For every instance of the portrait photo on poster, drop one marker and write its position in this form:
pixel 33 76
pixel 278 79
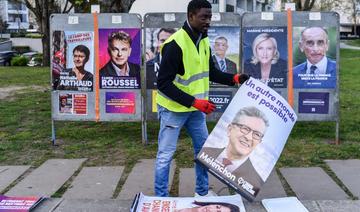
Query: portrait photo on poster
pixel 265 54
pixel 231 203
pixel 155 37
pixel 225 49
pixel 120 58
pixel 248 139
pixel 314 57
pixel 73 60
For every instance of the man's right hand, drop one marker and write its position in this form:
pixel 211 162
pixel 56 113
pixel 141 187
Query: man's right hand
pixel 204 105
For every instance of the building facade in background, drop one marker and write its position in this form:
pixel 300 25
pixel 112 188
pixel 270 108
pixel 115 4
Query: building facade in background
pixel 16 14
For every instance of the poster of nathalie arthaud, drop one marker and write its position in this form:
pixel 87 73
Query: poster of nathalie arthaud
pixel 248 139
pixel 73 60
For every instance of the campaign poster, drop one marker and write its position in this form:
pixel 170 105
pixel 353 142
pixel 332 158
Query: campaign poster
pixel 155 37
pixel 314 102
pixel 225 49
pixel 120 102
pixel 248 139
pixel 232 203
pixel 314 53
pixel 19 204
pixel 265 54
pixel 73 60
pixel 120 58
pixel 221 99
pixel 73 104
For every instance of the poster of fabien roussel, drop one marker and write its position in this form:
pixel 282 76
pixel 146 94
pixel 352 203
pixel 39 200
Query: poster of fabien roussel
pixel 119 58
pixel 144 203
pixel 248 139
pixel 73 60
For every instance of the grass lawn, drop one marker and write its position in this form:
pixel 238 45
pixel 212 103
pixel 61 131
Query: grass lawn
pixel 355 42
pixel 25 128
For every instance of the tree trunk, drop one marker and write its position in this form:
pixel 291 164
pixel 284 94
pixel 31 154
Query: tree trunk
pixel 46 30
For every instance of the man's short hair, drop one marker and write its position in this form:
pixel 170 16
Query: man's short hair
pixel 302 32
pixel 221 38
pixel 250 111
pixel 168 30
pixel 83 49
pixel 232 207
pixel 119 35
pixel 195 5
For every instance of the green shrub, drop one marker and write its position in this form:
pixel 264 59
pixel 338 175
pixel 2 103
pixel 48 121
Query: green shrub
pixel 21 49
pixel 19 61
pixel 19 34
pixel 33 35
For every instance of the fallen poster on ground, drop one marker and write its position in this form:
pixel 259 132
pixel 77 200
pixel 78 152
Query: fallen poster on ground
pixel 248 139
pixel 144 203
pixel 18 204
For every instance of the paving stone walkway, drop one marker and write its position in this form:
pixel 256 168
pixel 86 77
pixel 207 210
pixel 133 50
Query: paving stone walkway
pixel 93 188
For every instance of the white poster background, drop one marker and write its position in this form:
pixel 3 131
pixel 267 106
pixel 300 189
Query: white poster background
pixel 176 204
pixel 74 39
pixel 265 154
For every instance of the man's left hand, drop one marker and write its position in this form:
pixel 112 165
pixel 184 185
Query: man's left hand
pixel 240 78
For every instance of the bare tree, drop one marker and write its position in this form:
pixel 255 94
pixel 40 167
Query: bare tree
pixel 304 5
pixel 351 7
pixel 42 10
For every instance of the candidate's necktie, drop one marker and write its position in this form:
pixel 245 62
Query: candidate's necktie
pixel 312 69
pixel 222 65
pixel 226 162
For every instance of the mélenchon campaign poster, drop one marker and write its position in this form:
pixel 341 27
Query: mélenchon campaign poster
pixel 120 58
pixel 232 203
pixel 248 139
pixel 73 60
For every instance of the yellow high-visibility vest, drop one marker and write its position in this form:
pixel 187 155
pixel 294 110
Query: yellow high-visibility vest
pixel 195 80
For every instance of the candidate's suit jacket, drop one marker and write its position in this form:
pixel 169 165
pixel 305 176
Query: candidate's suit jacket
pixel 278 73
pixel 314 83
pixel 151 72
pixel 230 65
pixel 108 70
pixel 245 170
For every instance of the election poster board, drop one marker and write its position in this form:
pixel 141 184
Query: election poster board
pixel 184 204
pixel 265 54
pixel 245 144
pixel 314 47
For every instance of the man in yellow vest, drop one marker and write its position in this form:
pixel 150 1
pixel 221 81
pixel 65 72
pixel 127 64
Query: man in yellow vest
pixel 183 87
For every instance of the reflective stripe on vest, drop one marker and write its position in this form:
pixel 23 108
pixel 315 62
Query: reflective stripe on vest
pixel 195 80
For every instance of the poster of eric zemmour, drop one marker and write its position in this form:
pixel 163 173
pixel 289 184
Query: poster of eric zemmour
pixel 247 141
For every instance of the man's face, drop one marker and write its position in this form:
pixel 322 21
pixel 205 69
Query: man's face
pixel 200 21
pixel 265 51
pixel 220 47
pixel 79 59
pixel 314 44
pixel 245 135
pixel 162 38
pixel 120 51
